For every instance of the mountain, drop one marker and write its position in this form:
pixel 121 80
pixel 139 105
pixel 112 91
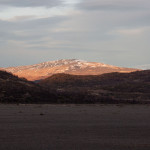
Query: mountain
pixel 114 87
pixel 144 67
pixel 68 66
pixel 107 81
pixel 17 90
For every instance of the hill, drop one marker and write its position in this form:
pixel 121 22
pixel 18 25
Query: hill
pixel 68 66
pixel 64 88
pixel 19 90
pixel 131 87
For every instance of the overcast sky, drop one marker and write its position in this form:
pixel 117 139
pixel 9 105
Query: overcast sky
pixel 115 32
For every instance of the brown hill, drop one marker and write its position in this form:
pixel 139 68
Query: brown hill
pixel 108 79
pixel 14 89
pixel 131 87
pixel 63 88
pixel 70 66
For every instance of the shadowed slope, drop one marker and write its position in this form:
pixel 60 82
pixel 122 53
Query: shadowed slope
pixel 141 78
pixel 112 87
pixel 63 88
pixel 14 89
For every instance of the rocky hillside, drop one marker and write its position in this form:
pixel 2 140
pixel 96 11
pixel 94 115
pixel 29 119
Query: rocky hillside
pixel 121 87
pixel 65 88
pixel 112 80
pixel 17 90
pixel 70 66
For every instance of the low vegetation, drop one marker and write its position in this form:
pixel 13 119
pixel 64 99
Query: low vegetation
pixel 107 88
pixel 17 90
pixel 64 88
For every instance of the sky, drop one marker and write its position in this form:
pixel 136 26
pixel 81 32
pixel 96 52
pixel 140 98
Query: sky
pixel 115 32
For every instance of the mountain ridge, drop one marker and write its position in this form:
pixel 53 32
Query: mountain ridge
pixel 18 90
pixel 133 87
pixel 69 66
pixel 114 87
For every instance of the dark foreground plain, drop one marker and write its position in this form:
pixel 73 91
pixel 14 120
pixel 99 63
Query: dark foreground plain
pixel 74 127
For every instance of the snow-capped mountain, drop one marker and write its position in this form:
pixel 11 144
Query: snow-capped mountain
pixel 144 67
pixel 68 66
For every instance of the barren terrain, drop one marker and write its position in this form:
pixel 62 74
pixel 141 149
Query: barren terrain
pixel 74 127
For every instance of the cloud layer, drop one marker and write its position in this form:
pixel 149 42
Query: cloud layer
pixel 110 31
pixel 31 3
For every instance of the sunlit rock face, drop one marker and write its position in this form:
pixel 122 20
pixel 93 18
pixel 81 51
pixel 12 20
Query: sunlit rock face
pixel 68 66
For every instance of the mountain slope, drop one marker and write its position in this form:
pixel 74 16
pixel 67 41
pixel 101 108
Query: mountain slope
pixel 14 89
pixel 64 88
pixel 70 66
pixel 115 87
pixel 106 81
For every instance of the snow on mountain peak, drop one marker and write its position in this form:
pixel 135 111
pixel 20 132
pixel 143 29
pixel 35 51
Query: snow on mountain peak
pixel 69 66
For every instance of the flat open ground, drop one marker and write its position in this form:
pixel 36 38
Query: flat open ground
pixel 74 127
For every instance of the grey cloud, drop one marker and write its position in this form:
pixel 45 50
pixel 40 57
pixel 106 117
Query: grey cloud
pixel 31 3
pixel 31 25
pixel 33 32
pixel 92 36
pixel 109 5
